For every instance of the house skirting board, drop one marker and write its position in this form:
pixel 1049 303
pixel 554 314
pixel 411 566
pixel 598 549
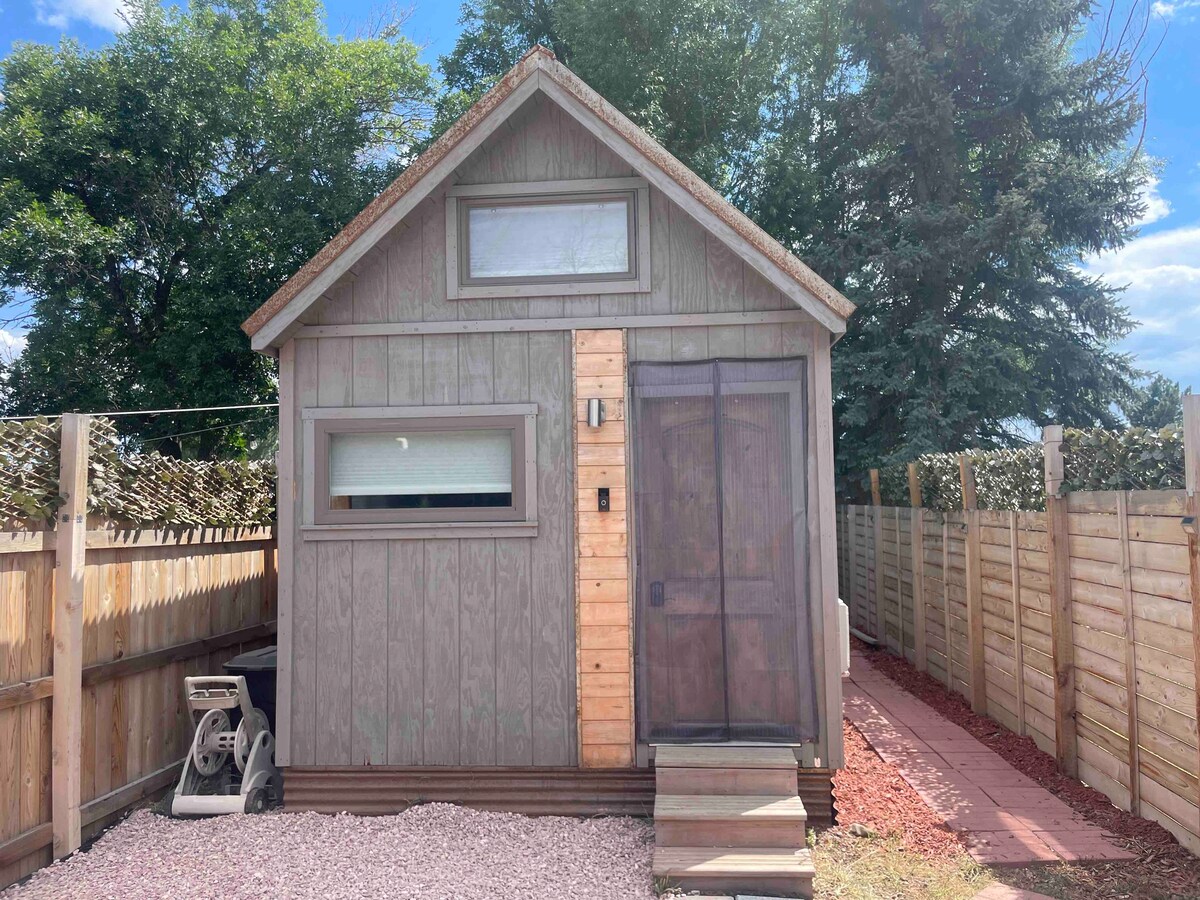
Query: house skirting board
pixel 561 791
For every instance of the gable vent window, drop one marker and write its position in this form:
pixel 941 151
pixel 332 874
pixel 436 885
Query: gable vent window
pixel 541 239
pixel 545 239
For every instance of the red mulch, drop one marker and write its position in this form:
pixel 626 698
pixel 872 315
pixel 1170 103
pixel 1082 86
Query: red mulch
pixel 871 792
pixel 1171 864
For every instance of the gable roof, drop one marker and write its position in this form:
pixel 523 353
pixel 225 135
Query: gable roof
pixel 538 70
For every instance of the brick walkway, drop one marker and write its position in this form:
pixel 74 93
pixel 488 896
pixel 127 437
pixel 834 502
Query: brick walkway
pixel 1009 819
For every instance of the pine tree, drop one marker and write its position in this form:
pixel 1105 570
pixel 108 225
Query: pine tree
pixel 976 162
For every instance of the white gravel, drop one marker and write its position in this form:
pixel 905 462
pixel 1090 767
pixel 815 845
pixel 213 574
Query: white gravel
pixel 427 853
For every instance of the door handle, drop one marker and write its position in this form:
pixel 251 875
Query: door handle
pixel 657 594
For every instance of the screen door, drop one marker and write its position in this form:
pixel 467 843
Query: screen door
pixel 723 641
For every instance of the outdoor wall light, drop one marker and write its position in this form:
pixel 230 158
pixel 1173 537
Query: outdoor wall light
pixel 596 413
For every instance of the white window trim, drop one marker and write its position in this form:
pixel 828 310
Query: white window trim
pixel 640 284
pixel 417 530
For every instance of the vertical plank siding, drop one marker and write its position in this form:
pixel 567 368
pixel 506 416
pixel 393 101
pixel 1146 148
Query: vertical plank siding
pixel 472 643
pixel 136 600
pixel 438 651
pixel 1132 643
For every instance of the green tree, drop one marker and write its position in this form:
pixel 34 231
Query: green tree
pixel 695 74
pixel 1155 404
pixel 980 158
pixel 945 163
pixel 154 192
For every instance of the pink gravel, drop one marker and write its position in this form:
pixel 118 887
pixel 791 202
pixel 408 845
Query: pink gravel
pixel 427 853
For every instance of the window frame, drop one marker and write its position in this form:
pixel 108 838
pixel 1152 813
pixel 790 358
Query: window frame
pixel 321 423
pixel 461 198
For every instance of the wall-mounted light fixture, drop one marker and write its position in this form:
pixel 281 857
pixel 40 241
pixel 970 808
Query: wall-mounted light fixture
pixel 596 413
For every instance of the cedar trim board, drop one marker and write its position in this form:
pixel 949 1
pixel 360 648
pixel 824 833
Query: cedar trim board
pixel 538 70
pixel 560 790
pixel 581 323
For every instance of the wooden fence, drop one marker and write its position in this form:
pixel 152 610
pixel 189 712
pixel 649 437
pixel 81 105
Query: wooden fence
pixel 92 715
pixel 1073 626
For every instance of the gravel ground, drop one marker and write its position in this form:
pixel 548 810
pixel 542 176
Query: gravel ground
pixel 427 853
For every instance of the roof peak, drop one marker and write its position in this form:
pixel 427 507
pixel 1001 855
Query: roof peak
pixel 538 50
pixel 565 87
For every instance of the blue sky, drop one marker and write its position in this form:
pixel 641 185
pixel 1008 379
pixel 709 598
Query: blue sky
pixel 1161 266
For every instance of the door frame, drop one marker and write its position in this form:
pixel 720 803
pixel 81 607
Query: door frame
pixel 800 394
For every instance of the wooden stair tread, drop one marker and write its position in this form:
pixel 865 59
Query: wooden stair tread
pixel 732 862
pixel 717 808
pixel 683 756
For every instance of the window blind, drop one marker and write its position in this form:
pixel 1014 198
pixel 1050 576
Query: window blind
pixel 471 461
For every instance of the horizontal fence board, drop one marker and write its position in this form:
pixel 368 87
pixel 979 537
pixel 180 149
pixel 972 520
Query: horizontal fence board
pixel 159 604
pixel 1130 606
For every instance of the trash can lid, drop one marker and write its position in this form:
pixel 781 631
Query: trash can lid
pixel 261 660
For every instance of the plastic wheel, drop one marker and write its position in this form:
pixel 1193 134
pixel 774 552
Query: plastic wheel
pixel 207 759
pixel 248 731
pixel 256 801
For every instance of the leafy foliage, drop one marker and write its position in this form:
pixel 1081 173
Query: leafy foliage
pixel 28 470
pixel 1134 460
pixel 945 163
pixel 1004 479
pixel 137 488
pixel 1094 459
pixel 155 191
pixel 695 74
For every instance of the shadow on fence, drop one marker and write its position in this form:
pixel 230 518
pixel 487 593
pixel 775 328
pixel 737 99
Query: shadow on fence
pixel 145 606
pixel 1073 626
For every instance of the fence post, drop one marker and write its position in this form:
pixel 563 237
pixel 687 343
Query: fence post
pixel 1062 638
pixel 1014 540
pixel 917 532
pixel 966 476
pixel 1131 705
pixel 876 559
pixel 67 705
pixel 1191 476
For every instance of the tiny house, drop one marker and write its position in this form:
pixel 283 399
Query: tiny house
pixel 555 476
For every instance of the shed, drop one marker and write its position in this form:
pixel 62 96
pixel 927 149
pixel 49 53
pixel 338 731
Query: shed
pixel 555 476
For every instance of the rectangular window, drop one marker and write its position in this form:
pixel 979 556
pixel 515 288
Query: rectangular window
pixel 548 238
pixel 519 240
pixel 440 468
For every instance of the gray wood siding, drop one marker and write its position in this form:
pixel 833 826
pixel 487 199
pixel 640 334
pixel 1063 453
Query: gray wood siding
pixel 403 278
pixel 439 651
pixel 462 651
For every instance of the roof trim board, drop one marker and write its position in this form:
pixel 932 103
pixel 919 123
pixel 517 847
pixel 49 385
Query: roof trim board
pixel 538 70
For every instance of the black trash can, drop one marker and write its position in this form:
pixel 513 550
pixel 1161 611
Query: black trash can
pixel 258 666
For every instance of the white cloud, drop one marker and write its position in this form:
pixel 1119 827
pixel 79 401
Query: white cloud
pixel 101 13
pixel 1169 9
pixel 1157 206
pixel 11 345
pixel 1162 275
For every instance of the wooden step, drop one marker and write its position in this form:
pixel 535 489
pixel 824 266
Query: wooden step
pixel 689 756
pixel 749 870
pixel 729 821
pixel 740 782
